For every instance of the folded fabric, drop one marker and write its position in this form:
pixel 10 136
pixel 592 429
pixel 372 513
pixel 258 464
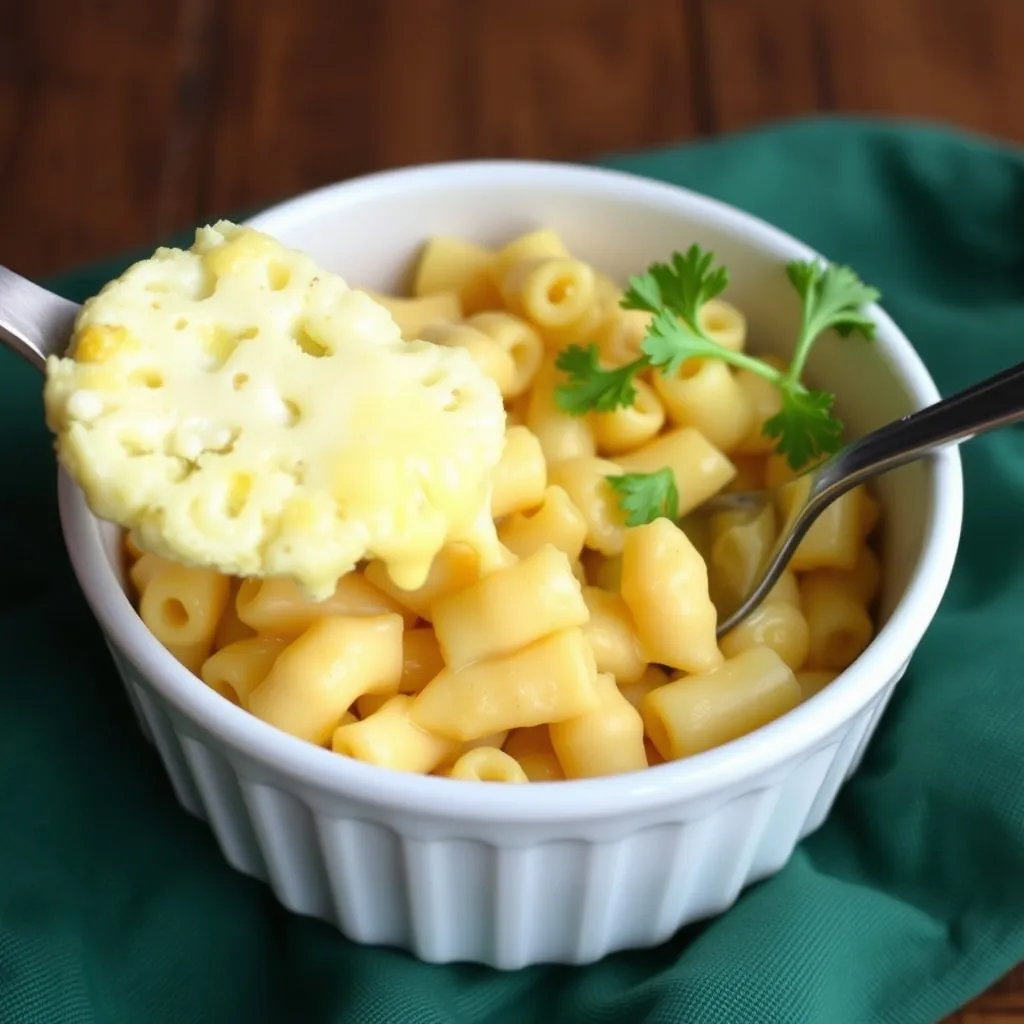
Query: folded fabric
pixel 115 905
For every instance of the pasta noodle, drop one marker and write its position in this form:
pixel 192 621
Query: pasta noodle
pixel 619 338
pixel 724 323
pixel 765 401
pixel 532 749
pixel 695 713
pixel 870 512
pixel 421 659
pixel 786 589
pixel 862 581
pixel 453 265
pixel 653 677
pixel 813 681
pixel 549 681
pixel 238 668
pixel 705 394
pixel 521 476
pixel 585 481
pixel 487 764
pixel 607 740
pixel 612 636
pixel 534 245
pixel 391 739
pixel 319 675
pixel 556 521
pixel 552 293
pixel 628 428
pixel 474 624
pixel 277 606
pixel 519 340
pixel 181 608
pixel 145 569
pixel 839 624
pixel 231 628
pixel 665 586
pixel 741 542
pixel 777 625
pixel 834 539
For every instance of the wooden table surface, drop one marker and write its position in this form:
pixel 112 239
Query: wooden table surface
pixel 122 121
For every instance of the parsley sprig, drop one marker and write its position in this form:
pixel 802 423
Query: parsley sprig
pixel 645 497
pixel 805 427
pixel 833 296
pixel 591 389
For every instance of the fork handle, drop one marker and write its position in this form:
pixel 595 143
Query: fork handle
pixel 994 402
pixel 34 323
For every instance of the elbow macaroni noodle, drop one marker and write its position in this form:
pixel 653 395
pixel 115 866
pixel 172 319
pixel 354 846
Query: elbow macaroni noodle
pixel 590 649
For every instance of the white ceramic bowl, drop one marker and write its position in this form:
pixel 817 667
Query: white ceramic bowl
pixel 563 872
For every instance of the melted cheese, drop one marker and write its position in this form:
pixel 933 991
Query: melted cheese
pixel 238 407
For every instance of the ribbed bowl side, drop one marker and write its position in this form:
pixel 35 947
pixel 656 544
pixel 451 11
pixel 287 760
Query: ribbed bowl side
pixel 456 896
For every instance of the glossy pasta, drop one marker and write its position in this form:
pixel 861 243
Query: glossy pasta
pixel 591 650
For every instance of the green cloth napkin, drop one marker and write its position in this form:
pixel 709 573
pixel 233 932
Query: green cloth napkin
pixel 115 905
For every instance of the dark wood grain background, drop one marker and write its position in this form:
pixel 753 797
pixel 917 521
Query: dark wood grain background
pixel 122 121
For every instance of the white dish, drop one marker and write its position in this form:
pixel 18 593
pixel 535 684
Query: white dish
pixel 561 872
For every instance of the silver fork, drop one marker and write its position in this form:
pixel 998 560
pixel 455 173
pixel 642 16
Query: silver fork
pixel 36 323
pixel 991 403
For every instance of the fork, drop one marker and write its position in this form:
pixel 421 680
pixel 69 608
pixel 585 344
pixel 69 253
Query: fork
pixel 994 402
pixel 34 323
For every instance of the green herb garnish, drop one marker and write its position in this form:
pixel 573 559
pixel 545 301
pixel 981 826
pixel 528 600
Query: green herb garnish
pixel 673 293
pixel 645 497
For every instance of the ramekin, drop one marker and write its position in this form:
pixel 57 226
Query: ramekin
pixel 562 872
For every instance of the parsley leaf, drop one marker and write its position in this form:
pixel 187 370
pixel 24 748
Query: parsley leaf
pixel 682 285
pixel 668 344
pixel 674 293
pixel 804 428
pixel 645 497
pixel 833 296
pixel 591 389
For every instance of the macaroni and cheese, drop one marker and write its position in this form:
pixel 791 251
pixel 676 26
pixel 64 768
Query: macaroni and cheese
pixel 584 646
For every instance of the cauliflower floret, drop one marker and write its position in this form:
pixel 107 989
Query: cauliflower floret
pixel 235 406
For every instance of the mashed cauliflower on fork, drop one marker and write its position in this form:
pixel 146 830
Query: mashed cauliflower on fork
pixel 237 407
